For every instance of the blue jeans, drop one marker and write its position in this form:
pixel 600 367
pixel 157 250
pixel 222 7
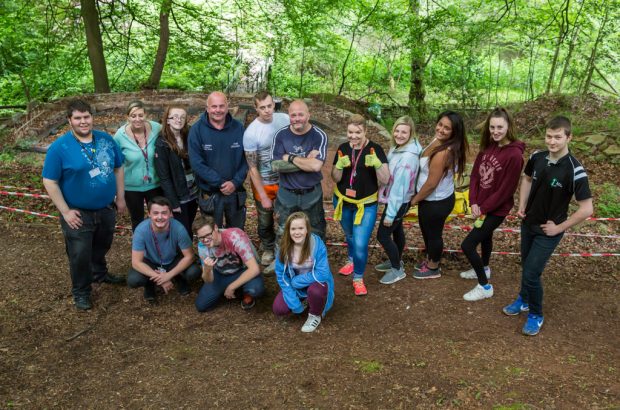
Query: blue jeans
pixel 358 236
pixel 87 247
pixel 536 249
pixel 211 292
pixel 310 203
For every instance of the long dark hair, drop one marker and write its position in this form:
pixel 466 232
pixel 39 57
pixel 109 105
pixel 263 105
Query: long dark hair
pixel 498 112
pixel 168 135
pixel 457 145
pixel 287 243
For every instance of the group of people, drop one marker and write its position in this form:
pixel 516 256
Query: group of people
pixel 177 170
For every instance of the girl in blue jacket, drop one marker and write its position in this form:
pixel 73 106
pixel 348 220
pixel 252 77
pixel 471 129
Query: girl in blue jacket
pixel 303 273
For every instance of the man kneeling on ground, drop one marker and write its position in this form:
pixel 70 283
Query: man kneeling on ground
pixel 229 264
pixel 161 253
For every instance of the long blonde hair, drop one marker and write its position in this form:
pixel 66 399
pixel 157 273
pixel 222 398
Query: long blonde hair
pixel 287 243
pixel 404 120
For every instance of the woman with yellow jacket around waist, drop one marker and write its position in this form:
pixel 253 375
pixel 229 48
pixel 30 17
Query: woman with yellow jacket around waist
pixel 360 166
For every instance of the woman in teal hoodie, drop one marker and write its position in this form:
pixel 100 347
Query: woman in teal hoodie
pixel 303 273
pixel 403 161
pixel 136 138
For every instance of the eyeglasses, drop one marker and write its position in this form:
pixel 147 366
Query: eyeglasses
pixel 177 118
pixel 206 237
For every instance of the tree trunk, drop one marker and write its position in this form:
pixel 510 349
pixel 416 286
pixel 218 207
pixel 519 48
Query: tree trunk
pixel 417 93
pixel 301 71
pixel 561 36
pixel 592 60
pixel 571 47
pixel 162 49
pixel 90 15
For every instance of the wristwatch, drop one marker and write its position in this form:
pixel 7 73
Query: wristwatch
pixel 291 157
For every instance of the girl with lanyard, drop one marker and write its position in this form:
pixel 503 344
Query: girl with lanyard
pixel 493 182
pixel 445 155
pixel 359 167
pixel 136 139
pixel 173 168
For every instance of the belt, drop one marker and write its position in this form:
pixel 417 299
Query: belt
pixel 299 191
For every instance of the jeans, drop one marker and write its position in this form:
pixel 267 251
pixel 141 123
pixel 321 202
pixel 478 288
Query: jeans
pixel 266 231
pixel 310 203
pixel 135 204
pixel 187 215
pixel 484 237
pixel 232 208
pixel 432 216
pixel 392 238
pixel 211 292
pixel 358 236
pixel 536 249
pixel 136 279
pixel 317 296
pixel 87 247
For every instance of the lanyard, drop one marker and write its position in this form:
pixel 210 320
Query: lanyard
pixel 156 243
pixel 91 153
pixel 354 164
pixel 145 153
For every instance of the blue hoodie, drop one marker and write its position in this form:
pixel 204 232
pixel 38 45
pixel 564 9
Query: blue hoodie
pixel 294 287
pixel 404 163
pixel 217 156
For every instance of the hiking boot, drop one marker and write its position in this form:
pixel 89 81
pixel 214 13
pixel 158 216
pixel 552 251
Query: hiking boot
pixel 347 269
pixel 420 265
pixel 247 302
pixel 478 293
pixel 427 273
pixel 386 266
pixel 149 294
pixel 311 324
pixel 533 324
pixel 393 276
pixel 269 270
pixel 471 274
pixel 83 303
pixel 359 287
pixel 113 279
pixel 267 257
pixel 516 307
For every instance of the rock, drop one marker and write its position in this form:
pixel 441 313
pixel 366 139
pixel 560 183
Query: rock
pixel 596 139
pixel 385 134
pixel 612 150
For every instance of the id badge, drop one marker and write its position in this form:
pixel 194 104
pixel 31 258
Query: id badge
pixel 350 192
pixel 161 269
pixel 94 172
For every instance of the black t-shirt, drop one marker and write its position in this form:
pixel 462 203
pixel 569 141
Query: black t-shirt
pixel 365 178
pixel 553 186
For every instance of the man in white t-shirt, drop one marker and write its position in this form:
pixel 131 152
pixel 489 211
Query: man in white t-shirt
pixel 257 143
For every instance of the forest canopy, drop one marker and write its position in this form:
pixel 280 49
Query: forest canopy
pixel 471 53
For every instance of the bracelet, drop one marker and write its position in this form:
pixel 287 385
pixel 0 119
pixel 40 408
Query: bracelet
pixel 291 157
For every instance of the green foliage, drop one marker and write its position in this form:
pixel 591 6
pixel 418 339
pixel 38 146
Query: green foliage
pixel 607 204
pixel 369 366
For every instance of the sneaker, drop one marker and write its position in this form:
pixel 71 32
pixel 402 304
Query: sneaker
pixel 533 324
pixel 386 266
pixel 269 270
pixel 311 324
pixel 113 279
pixel 471 274
pixel 247 302
pixel 516 307
pixel 347 269
pixel 267 257
pixel 420 265
pixel 83 303
pixel 427 273
pixel 393 276
pixel 478 293
pixel 359 287
pixel 149 294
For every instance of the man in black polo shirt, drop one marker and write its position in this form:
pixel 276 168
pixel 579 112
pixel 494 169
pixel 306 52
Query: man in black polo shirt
pixel 551 179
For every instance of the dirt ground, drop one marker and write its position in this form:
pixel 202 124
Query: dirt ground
pixel 414 344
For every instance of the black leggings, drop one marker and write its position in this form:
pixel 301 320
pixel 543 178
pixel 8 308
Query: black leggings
pixel 432 217
pixel 484 237
pixel 392 238
pixel 135 204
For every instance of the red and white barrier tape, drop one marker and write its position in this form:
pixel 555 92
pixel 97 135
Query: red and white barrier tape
pixel 41 214
pixel 23 194
pixel 21 188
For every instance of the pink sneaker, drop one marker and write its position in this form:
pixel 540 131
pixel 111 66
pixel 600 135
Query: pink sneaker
pixel 359 287
pixel 347 269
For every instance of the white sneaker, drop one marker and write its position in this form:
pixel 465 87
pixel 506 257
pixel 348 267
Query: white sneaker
pixel 478 293
pixel 267 257
pixel 311 323
pixel 471 274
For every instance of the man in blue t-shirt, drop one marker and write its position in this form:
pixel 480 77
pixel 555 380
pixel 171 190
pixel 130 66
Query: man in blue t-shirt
pixel 83 176
pixel 298 154
pixel 215 147
pixel 161 253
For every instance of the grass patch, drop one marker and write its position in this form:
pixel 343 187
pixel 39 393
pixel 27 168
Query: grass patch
pixel 607 204
pixel 369 366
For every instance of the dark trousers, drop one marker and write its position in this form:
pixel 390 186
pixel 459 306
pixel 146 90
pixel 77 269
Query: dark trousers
pixel 211 292
pixel 392 238
pixel 536 249
pixel 230 208
pixel 311 203
pixel 266 230
pixel 87 247
pixel 484 237
pixel 136 279
pixel 432 217
pixel 187 215
pixel 135 204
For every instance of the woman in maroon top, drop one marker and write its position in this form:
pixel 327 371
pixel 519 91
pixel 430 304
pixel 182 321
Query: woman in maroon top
pixel 493 182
